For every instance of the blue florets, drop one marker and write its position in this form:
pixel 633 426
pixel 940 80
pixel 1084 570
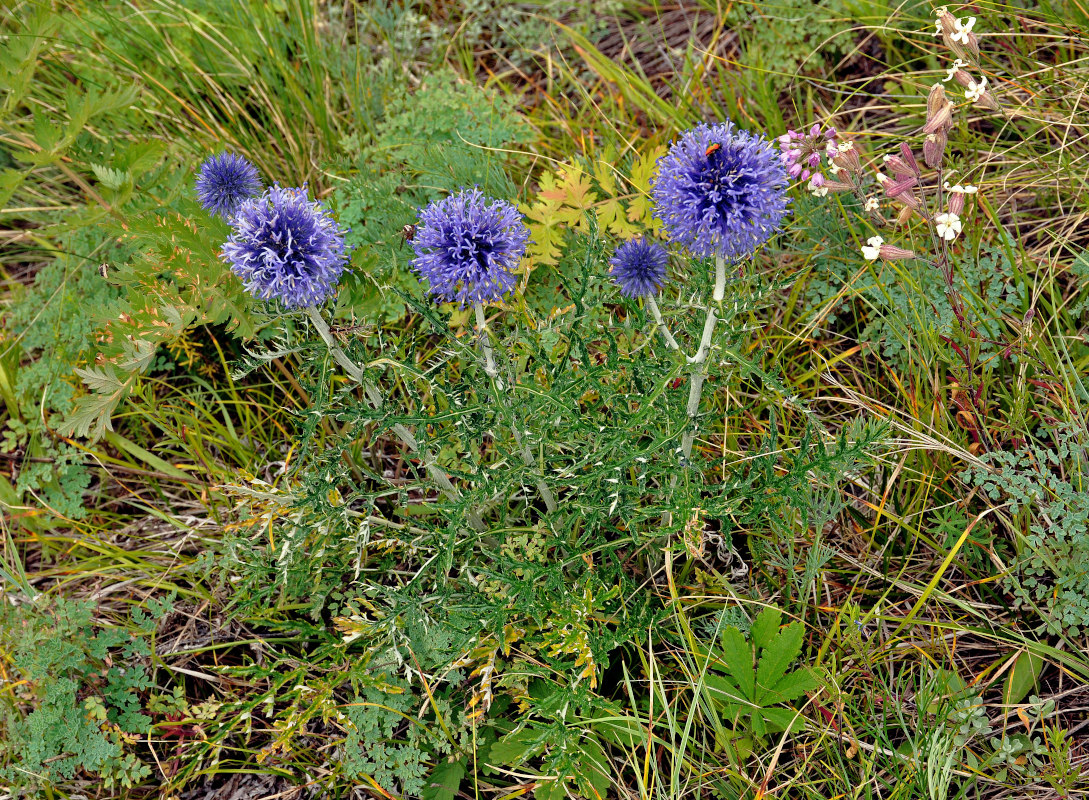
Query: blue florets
pixel 639 267
pixel 724 203
pixel 467 247
pixel 224 182
pixel 286 247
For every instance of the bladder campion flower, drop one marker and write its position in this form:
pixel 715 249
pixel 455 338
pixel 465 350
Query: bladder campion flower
pixel 872 249
pixel 876 248
pixel 724 204
pixel 639 267
pixel 224 182
pixel 467 247
pixel 948 226
pixel 286 247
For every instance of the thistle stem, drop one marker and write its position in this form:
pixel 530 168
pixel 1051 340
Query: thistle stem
pixel 695 389
pixel 699 374
pixel 374 398
pixel 493 373
pixel 671 343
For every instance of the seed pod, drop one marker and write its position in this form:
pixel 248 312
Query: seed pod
pixel 908 198
pixel 897 188
pixel 905 215
pixel 837 186
pixel 891 252
pixel 935 100
pixel 956 203
pixel 942 119
pixel 899 167
pixel 909 157
pixel 934 149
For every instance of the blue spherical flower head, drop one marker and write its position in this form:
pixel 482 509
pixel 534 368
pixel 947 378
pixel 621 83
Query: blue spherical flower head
pixel 286 247
pixel 468 247
pixel 639 267
pixel 224 182
pixel 720 191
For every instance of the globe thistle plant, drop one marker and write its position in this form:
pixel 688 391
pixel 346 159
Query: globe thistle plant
pixel 224 182
pixel 286 247
pixel 468 246
pixel 720 191
pixel 638 267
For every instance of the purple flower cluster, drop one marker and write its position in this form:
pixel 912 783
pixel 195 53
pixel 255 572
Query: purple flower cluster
pixel 224 182
pixel 286 247
pixel 720 191
pixel 639 267
pixel 802 152
pixel 468 247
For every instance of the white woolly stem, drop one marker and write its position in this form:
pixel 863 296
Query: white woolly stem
pixel 695 389
pixel 374 398
pixel 486 344
pixel 699 375
pixel 493 373
pixel 669 340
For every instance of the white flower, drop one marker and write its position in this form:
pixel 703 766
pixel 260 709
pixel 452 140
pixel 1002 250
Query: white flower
pixel 845 147
pixel 834 169
pixel 949 226
pixel 958 189
pixel 872 204
pixel 881 177
pixel 873 251
pixel 976 90
pixel 819 191
pixel 957 65
pixel 961 30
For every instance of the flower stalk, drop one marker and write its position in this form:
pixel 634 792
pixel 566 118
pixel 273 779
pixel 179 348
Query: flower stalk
pixel 699 360
pixel 671 343
pixel 493 373
pixel 374 398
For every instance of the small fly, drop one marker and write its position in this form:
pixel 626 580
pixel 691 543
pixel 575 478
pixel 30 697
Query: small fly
pixel 408 233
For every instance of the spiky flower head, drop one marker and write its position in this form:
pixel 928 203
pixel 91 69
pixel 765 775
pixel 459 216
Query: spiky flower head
pixel 224 182
pixel 724 201
pixel 468 246
pixel 285 246
pixel 639 267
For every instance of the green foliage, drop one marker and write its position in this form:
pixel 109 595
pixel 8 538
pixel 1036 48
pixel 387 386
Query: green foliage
pixel 174 282
pixel 53 323
pixel 445 135
pixel 371 747
pixel 784 37
pixel 902 303
pixel 1043 488
pixel 82 686
pixel 755 675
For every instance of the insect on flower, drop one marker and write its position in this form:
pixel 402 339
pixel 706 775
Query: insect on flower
pixel 408 233
pixel 726 206
pixel 713 148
